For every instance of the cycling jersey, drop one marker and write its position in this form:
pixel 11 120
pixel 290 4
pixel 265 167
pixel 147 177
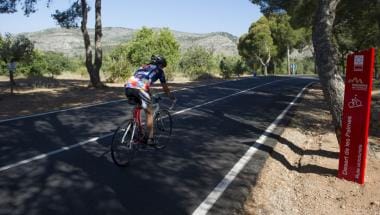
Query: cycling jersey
pixel 145 76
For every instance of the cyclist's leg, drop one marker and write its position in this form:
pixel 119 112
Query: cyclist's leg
pixel 149 121
pixel 146 104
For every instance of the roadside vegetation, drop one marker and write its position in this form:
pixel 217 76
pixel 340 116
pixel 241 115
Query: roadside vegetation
pixel 194 63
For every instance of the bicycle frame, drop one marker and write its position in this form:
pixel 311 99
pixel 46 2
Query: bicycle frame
pixel 137 112
pixel 136 122
pixel 130 137
pixel 137 118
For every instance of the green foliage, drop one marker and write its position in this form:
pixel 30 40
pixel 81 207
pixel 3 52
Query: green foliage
pixel 168 47
pixel 57 63
pixel 121 61
pixel 16 48
pixel 38 65
pixel 239 67
pixel 305 66
pixel 141 47
pixel 118 65
pixel 230 66
pixel 2 64
pixel 195 62
pixel 257 45
pixel 300 11
pixel 270 38
pixel 10 6
pixel 47 64
pixel 69 18
pixel 285 36
pixel 357 23
pixel 357 26
pixel 225 68
pixel 3 68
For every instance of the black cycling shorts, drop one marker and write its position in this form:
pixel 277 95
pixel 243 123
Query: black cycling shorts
pixel 136 96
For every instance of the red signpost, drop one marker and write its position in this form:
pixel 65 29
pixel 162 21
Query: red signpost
pixel 356 113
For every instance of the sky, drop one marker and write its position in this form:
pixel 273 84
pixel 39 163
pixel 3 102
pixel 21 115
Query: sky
pixel 194 16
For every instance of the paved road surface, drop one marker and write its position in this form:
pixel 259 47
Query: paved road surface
pixel 214 126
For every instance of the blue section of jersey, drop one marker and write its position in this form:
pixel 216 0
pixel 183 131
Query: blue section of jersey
pixel 145 76
pixel 151 73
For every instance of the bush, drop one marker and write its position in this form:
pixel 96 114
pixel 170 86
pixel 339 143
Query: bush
pixel 117 67
pixel 195 62
pixel 305 66
pixel 46 63
pixel 230 66
pixel 125 58
pixel 3 68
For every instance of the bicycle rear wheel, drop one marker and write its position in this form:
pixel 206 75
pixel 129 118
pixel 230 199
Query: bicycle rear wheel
pixel 163 126
pixel 123 147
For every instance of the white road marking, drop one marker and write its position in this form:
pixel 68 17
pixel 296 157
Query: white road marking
pixel 225 97
pixel 206 85
pixel 59 111
pixel 210 200
pixel 41 156
pixel 38 157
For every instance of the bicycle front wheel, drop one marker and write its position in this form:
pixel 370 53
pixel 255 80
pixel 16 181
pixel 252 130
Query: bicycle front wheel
pixel 123 147
pixel 162 126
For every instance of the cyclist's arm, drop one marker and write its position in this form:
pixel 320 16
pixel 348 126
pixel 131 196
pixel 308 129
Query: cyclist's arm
pixel 167 91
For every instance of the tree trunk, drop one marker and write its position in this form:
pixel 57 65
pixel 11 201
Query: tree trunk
pixel 326 60
pixel 265 65
pixel 92 70
pixel 98 45
pixel 11 80
pixel 265 70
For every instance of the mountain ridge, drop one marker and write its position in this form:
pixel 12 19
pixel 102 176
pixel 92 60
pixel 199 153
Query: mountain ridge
pixel 70 41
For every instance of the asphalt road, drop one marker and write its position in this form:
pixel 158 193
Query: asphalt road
pixel 214 126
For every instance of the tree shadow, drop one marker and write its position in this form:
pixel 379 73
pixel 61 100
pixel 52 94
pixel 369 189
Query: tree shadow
pixel 309 168
pixel 301 152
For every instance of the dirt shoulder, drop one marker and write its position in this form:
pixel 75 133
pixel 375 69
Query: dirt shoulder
pixel 299 176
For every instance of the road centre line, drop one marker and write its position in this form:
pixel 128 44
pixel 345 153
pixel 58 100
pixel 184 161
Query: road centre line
pixel 59 111
pixel 94 139
pixel 45 155
pixel 98 104
pixel 210 200
pixel 206 85
pixel 225 97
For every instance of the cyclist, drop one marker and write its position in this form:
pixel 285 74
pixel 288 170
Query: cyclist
pixel 137 88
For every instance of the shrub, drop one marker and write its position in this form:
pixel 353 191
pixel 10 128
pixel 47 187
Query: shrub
pixel 195 62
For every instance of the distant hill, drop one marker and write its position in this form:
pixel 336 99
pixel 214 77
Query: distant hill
pixel 70 41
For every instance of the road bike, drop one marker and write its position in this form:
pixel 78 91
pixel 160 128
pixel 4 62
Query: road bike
pixel 129 139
